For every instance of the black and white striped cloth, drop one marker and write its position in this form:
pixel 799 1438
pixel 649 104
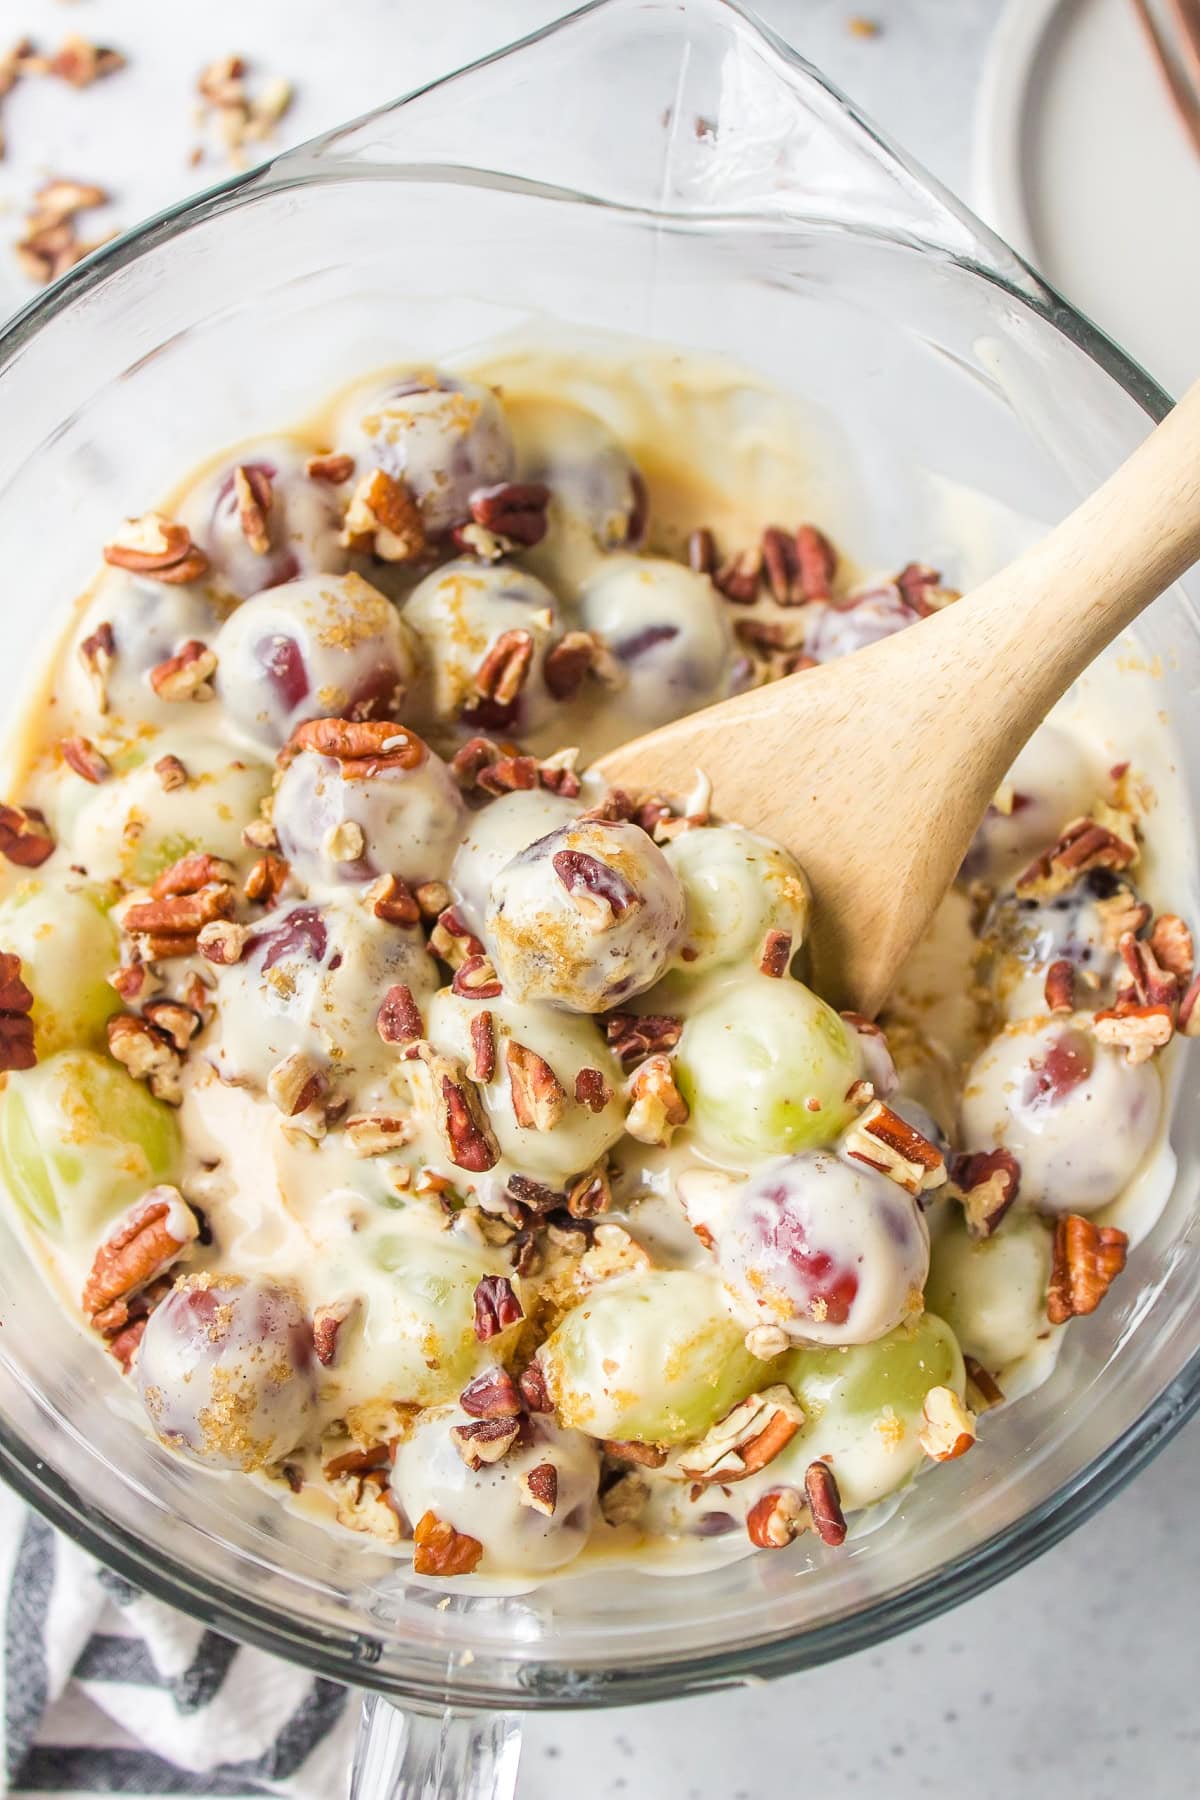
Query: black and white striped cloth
pixel 105 1691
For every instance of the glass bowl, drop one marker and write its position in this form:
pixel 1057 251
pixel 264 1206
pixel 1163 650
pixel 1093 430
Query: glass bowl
pixel 668 170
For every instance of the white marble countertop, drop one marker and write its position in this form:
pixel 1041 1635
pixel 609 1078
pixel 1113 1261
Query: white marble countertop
pixel 1073 1676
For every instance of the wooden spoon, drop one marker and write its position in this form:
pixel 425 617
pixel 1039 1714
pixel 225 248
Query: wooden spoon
pixel 877 769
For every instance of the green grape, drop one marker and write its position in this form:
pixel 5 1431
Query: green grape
pixel 417 1341
pixel 992 1290
pixel 80 1140
pixel 67 945
pixel 738 887
pixel 862 1407
pixel 754 1060
pixel 655 1358
pixel 131 829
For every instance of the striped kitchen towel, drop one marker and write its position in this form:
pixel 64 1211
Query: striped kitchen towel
pixel 105 1691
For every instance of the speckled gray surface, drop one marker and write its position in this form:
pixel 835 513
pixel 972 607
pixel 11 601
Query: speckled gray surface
pixel 1074 1677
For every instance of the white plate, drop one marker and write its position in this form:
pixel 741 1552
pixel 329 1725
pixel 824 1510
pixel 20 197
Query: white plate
pixel 1082 165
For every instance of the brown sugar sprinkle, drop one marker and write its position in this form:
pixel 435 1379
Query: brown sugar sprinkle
pixel 49 245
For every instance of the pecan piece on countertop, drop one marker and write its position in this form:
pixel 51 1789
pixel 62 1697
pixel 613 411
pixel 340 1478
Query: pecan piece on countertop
pixel 383 519
pixel 1087 1260
pixel 776 954
pixel 148 1054
pixel 398 1020
pixel 777 1518
pixel 538 1096
pixel 80 754
pixel 635 1036
pixel 538 1488
pixel 657 1108
pixel 883 1140
pixel 16 1027
pixel 254 493
pixel 505 667
pixel 485 1441
pixel 1084 845
pixel 153 1235
pixel 987 1182
pixel 187 675
pixel 491 1395
pixel 438 1549
pixel 948 1427
pixel 483 1047
pixel 496 1306
pixel 24 836
pixel 1060 986
pixel 825 1504
pixel 158 547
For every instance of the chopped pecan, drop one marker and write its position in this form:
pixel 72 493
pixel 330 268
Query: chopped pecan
pixel 366 1503
pixel 612 1252
pixel 148 1054
pixel 483 1047
pixel 1138 1030
pixel 438 1549
pixel 260 834
pixel 394 901
pixel 1087 1260
pixel 1171 945
pixel 345 842
pixel 816 563
pixel 1189 1012
pixel 135 981
pixel 295 1084
pixel 983 1390
pixel 179 915
pixel 592 1090
pixel 701 551
pixel 475 979
pixel 97 653
pixel 1084 845
pixel 327 1325
pixel 782 567
pixel 452 941
pixel 433 897
pixel 398 1020
pixel 510 775
pixel 176 1020
pixel 629 1450
pixel 1149 983
pixel 534 1392
pixel 158 547
pixel 360 1461
pixel 740 576
pixel 384 519
pixel 254 493
pixel 223 941
pixel 538 1096
pixel 496 1307
pixel 767 637
pixel 776 954
pixel 762 1341
pixel 485 1441
pixel 171 773
pixel 365 745
pixel 266 879
pixel 657 1107
pixel 514 509
pixel 987 1182
pixel 776 1519
pixel 491 1395
pixel 190 874
pixel 1060 986
pixel 885 1141
pixel 948 1428
pixel 24 836
pixel 921 589
pixel 375 1134
pixel 505 667
pixel 79 62
pixel 333 466
pixel 568 662
pixel 151 1237
pixel 590 1194
pixel 450 1100
pixel 825 1504
pixel 745 1440
pixel 80 754
pixel 17 1049
pixel 187 675
pixel 635 1036
pixel 1119 913
pixel 538 1487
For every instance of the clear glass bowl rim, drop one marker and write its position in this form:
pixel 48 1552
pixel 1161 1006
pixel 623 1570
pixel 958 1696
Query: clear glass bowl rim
pixel 345 1656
